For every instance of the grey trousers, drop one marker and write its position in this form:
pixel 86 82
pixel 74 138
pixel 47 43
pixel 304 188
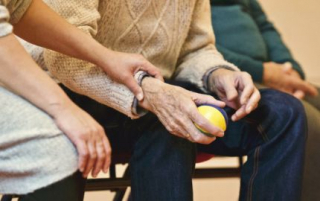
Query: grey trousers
pixel 311 181
pixel 34 153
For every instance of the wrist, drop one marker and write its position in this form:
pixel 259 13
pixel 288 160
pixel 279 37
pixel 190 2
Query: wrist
pixel 56 109
pixel 214 76
pixel 266 74
pixel 151 88
pixel 103 57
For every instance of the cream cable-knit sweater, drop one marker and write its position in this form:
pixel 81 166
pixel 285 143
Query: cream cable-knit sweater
pixel 16 8
pixel 174 35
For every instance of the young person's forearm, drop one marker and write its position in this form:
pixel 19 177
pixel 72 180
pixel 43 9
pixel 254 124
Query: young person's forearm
pixel 40 25
pixel 20 73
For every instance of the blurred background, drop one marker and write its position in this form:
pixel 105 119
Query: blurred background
pixel 299 23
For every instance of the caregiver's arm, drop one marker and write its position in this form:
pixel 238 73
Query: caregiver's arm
pixel 40 25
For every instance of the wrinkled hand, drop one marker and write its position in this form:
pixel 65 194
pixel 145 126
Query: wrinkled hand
pixel 284 78
pixel 176 109
pixel 236 89
pixel 87 135
pixel 122 67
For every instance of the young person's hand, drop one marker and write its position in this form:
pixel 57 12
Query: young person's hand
pixel 87 135
pixel 122 67
pixel 236 89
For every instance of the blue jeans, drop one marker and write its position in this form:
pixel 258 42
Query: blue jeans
pixel 273 137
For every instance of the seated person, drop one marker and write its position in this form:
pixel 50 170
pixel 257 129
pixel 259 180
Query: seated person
pixel 246 38
pixel 177 37
pixel 42 131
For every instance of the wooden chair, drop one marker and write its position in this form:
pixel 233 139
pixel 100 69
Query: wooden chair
pixel 120 184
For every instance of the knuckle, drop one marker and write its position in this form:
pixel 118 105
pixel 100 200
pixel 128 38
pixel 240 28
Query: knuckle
pixel 84 135
pixel 197 138
pixel 84 153
pixel 94 130
pixel 246 74
pixel 93 155
pixel 139 58
pixel 201 123
pixel 102 155
pixel 126 77
pixel 108 152
pixel 101 130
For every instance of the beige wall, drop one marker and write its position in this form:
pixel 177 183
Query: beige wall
pixel 299 23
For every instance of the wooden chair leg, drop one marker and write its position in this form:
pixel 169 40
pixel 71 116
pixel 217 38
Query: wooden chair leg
pixel 121 192
pixel 6 198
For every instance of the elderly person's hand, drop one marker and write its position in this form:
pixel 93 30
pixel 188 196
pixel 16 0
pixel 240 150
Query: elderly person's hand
pixel 236 89
pixel 176 109
pixel 87 135
pixel 284 78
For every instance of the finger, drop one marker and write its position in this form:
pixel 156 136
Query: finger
pixel 83 154
pixel 101 156
pixel 92 158
pixel 239 114
pixel 108 151
pixel 299 94
pixel 132 84
pixel 196 135
pixel 188 130
pixel 287 67
pixel 313 90
pixel 230 90
pixel 206 99
pixel 204 123
pixel 247 92
pixel 152 70
pixel 305 87
pixel 253 101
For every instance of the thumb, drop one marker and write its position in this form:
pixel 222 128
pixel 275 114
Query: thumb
pixel 135 88
pixel 287 67
pixel 152 70
pixel 299 94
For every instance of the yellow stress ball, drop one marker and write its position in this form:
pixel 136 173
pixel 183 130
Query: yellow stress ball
pixel 216 116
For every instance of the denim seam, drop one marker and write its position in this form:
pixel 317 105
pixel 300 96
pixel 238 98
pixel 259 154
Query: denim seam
pixel 260 129
pixel 254 174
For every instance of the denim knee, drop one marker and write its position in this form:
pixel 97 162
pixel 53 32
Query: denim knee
pixel 280 111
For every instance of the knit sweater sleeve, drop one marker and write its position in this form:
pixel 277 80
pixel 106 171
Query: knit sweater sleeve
pixel 81 76
pixel 5 26
pixel 199 53
pixel 277 50
pixel 10 13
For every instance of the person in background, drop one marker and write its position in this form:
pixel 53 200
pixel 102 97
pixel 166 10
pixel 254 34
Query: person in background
pixel 246 37
pixel 47 143
pixel 177 37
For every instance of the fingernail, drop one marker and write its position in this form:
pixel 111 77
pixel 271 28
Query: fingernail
pixel 140 96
